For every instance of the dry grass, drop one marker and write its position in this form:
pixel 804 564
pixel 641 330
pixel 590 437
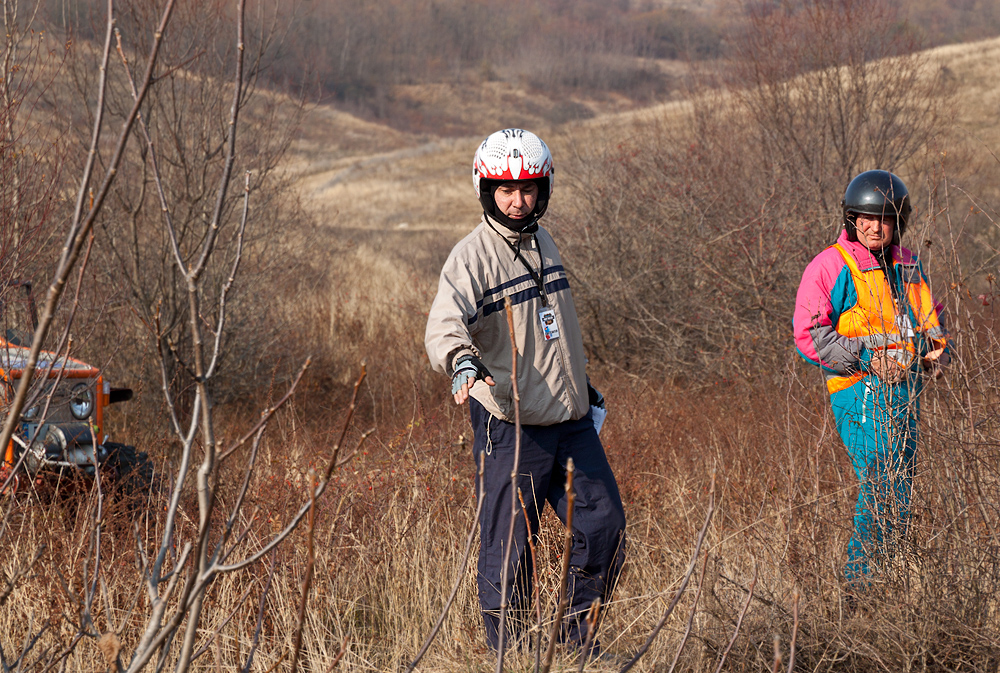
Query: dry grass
pixel 390 538
pixel 787 491
pixel 390 534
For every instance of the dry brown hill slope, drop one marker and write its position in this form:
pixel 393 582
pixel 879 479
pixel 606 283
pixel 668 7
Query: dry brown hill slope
pixel 360 174
pixel 394 203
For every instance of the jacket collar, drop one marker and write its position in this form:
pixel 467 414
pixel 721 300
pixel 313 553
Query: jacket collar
pixel 511 236
pixel 865 259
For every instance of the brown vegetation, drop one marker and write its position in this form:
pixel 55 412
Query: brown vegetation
pixel 685 228
pixel 693 234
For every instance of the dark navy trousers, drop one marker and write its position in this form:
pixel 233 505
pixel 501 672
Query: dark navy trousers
pixel 598 517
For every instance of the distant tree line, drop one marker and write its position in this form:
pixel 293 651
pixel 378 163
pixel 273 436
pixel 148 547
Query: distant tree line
pixel 355 53
pixel 356 50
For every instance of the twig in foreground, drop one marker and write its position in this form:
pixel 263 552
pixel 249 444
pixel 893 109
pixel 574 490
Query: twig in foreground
pixel 260 617
pixel 592 616
pixel 336 659
pixel 537 646
pixel 690 622
pixel 564 575
pixel 461 572
pixel 739 620
pixel 307 581
pixel 795 630
pixel 684 583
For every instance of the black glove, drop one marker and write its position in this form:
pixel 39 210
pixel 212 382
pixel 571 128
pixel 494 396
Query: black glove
pixel 468 368
pixel 596 398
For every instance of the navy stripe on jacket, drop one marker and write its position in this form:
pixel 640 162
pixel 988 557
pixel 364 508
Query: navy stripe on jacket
pixel 511 283
pixel 524 295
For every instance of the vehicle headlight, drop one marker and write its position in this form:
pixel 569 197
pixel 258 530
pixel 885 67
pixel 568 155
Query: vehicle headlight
pixel 81 401
pixel 32 413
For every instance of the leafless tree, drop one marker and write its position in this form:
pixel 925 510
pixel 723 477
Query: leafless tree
pixel 175 581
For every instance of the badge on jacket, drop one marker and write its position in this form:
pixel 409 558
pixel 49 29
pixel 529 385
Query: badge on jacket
pixel 550 328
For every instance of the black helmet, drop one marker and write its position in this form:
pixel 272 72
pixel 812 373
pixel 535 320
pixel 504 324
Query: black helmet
pixel 876 193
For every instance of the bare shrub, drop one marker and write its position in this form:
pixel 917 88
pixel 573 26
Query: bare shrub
pixel 30 156
pixel 135 253
pixel 693 240
pixel 201 526
pixel 386 546
pixel 831 88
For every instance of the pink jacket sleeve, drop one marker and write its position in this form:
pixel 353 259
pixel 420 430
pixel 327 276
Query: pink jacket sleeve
pixel 824 282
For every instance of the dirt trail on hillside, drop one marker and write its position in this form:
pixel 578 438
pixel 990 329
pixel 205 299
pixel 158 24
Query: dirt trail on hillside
pixel 362 175
pixel 395 203
pixel 426 186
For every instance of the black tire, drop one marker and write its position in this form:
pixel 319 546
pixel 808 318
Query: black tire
pixel 131 471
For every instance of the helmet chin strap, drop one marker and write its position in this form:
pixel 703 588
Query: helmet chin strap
pixel 530 225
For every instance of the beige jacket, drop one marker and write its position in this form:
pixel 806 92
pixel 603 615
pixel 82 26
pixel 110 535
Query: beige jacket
pixel 468 316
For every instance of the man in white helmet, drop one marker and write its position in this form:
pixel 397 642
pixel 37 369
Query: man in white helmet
pixel 510 255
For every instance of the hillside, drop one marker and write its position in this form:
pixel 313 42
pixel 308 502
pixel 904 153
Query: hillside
pixel 389 205
pixel 401 197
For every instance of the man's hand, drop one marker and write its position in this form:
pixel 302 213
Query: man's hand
pixel 468 370
pixel 935 362
pixel 887 368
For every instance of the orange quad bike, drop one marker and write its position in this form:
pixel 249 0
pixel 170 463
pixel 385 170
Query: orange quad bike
pixel 61 429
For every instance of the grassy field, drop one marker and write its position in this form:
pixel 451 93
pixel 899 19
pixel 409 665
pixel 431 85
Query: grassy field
pixel 389 535
pixel 785 490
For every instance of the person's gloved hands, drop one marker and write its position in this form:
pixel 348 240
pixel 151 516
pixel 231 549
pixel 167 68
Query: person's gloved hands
pixel 596 398
pixel 935 363
pixel 887 368
pixel 598 410
pixel 468 370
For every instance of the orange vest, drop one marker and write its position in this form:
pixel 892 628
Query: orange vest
pixel 876 320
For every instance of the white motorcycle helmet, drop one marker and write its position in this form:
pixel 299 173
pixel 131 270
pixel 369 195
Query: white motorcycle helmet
pixel 507 156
